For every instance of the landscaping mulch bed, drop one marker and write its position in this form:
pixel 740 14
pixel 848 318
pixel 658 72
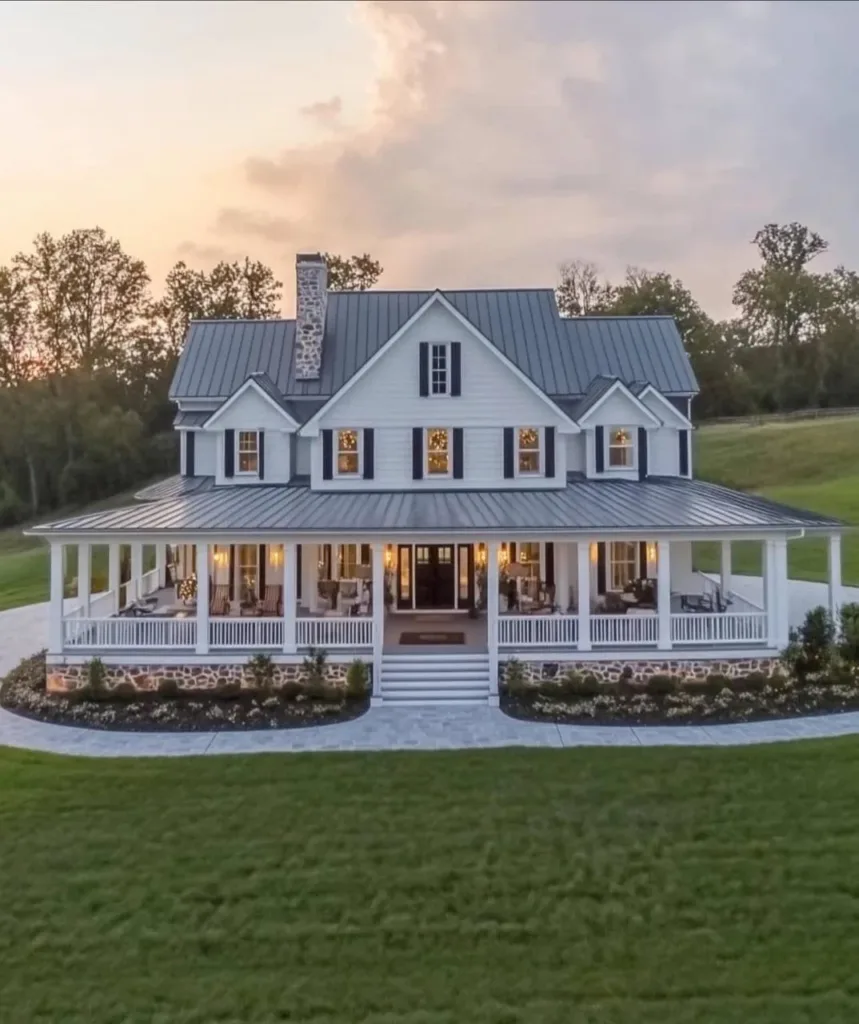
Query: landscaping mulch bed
pixel 23 692
pixel 633 704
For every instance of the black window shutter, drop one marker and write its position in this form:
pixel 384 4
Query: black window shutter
pixel 261 456
pixel 550 564
pixel 229 452
pixel 232 571
pixel 455 368
pixel 683 438
pixel 508 453
pixel 642 453
pixel 424 369
pixel 599 449
pixel 550 451
pixel 297 572
pixel 600 568
pixel 642 559
pixel 457 453
pixel 417 452
pixel 512 554
pixel 369 453
pixel 262 567
pixel 327 454
pixel 190 439
pixel 365 554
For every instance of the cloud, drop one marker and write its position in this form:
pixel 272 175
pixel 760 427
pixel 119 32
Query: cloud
pixel 507 137
pixel 326 112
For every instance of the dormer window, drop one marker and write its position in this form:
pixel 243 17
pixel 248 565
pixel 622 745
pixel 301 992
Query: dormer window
pixel 528 450
pixel 439 369
pixel 348 453
pixel 621 448
pixel 247 451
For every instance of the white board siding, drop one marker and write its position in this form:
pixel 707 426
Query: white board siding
pixel 576 452
pixel 492 395
pixel 618 410
pixel 205 453
pixel 303 450
pixel 663 452
pixel 482 457
pixel 277 471
pixel 250 411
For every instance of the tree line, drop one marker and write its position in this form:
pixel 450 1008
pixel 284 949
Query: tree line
pixel 87 353
pixel 793 342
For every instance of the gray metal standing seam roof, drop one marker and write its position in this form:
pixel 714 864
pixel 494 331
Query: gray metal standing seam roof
pixel 561 356
pixel 596 506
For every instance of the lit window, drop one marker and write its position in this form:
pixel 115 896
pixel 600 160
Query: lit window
pixel 348 454
pixel 349 561
pixel 438 369
pixel 621 448
pixel 249 572
pixel 623 564
pixel 529 450
pixel 248 450
pixel 438 451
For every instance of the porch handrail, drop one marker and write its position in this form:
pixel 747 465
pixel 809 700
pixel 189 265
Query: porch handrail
pixel 151 631
pixel 718 628
pixel 538 630
pixel 332 632
pixel 246 633
pixel 624 630
pixel 149 582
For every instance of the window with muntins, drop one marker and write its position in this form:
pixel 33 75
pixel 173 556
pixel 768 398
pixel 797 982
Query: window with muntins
pixel 249 572
pixel 438 449
pixel 348 453
pixel 439 369
pixel 247 447
pixel 623 564
pixel 621 448
pixel 529 450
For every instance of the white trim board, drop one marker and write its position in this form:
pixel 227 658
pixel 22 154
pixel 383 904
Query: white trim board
pixel 250 382
pixel 619 386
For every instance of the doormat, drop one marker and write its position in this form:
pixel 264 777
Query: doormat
pixel 432 638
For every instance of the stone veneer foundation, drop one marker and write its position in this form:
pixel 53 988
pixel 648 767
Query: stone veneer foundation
pixel 192 678
pixel 613 671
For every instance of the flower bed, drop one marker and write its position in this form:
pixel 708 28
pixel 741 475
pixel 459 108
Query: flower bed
pixel 253 705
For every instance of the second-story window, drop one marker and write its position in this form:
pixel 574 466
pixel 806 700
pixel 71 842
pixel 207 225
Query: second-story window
pixel 529 450
pixel 438 369
pixel 348 453
pixel 247 445
pixel 438 451
pixel 621 448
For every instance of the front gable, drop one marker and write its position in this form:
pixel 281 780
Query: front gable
pixel 669 415
pixel 618 406
pixel 250 408
pixel 391 388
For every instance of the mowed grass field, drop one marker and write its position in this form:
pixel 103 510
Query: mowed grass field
pixel 811 464
pixel 603 886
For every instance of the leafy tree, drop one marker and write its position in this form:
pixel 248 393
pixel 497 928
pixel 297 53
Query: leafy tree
pixel 17 359
pixel 581 291
pixel 352 273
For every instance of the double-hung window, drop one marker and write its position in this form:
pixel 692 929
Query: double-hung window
pixel 621 448
pixel 348 453
pixel 623 564
pixel 438 451
pixel 247 450
pixel 439 369
pixel 528 451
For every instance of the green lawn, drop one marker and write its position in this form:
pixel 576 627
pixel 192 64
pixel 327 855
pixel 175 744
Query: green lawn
pixel 810 464
pixel 612 886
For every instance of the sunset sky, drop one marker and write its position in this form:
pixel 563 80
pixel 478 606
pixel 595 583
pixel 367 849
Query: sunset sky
pixel 462 144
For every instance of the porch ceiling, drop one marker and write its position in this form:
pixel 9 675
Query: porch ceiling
pixel 656 505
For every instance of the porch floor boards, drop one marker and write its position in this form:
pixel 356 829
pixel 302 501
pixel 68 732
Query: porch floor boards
pixel 397 623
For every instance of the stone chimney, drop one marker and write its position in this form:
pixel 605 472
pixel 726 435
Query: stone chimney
pixel 311 300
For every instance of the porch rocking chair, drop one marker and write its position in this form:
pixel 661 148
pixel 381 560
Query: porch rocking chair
pixel 271 603
pixel 220 600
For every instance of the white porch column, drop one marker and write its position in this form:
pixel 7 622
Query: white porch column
pixel 136 570
pixel 663 594
pixel 55 621
pixel 834 575
pixel 725 581
pixel 311 594
pixel 769 597
pixel 562 576
pixel 782 610
pixel 378 582
pixel 84 577
pixel 290 595
pixel 203 555
pixel 492 617
pixel 583 597
pixel 161 564
pixel 335 561
pixel 113 576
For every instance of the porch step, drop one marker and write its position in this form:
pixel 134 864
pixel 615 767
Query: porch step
pixel 435 678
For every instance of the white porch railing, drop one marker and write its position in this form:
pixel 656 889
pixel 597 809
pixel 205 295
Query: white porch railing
pixel 149 582
pixel 538 630
pixel 349 631
pixel 133 634
pixel 624 630
pixel 721 628
pixel 246 633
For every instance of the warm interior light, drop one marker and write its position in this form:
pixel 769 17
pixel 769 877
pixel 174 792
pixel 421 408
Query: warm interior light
pixel 389 556
pixel 481 554
pixel 275 556
pixel 503 555
pixel 651 553
pixel 220 558
pixel 523 555
pixel 594 553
